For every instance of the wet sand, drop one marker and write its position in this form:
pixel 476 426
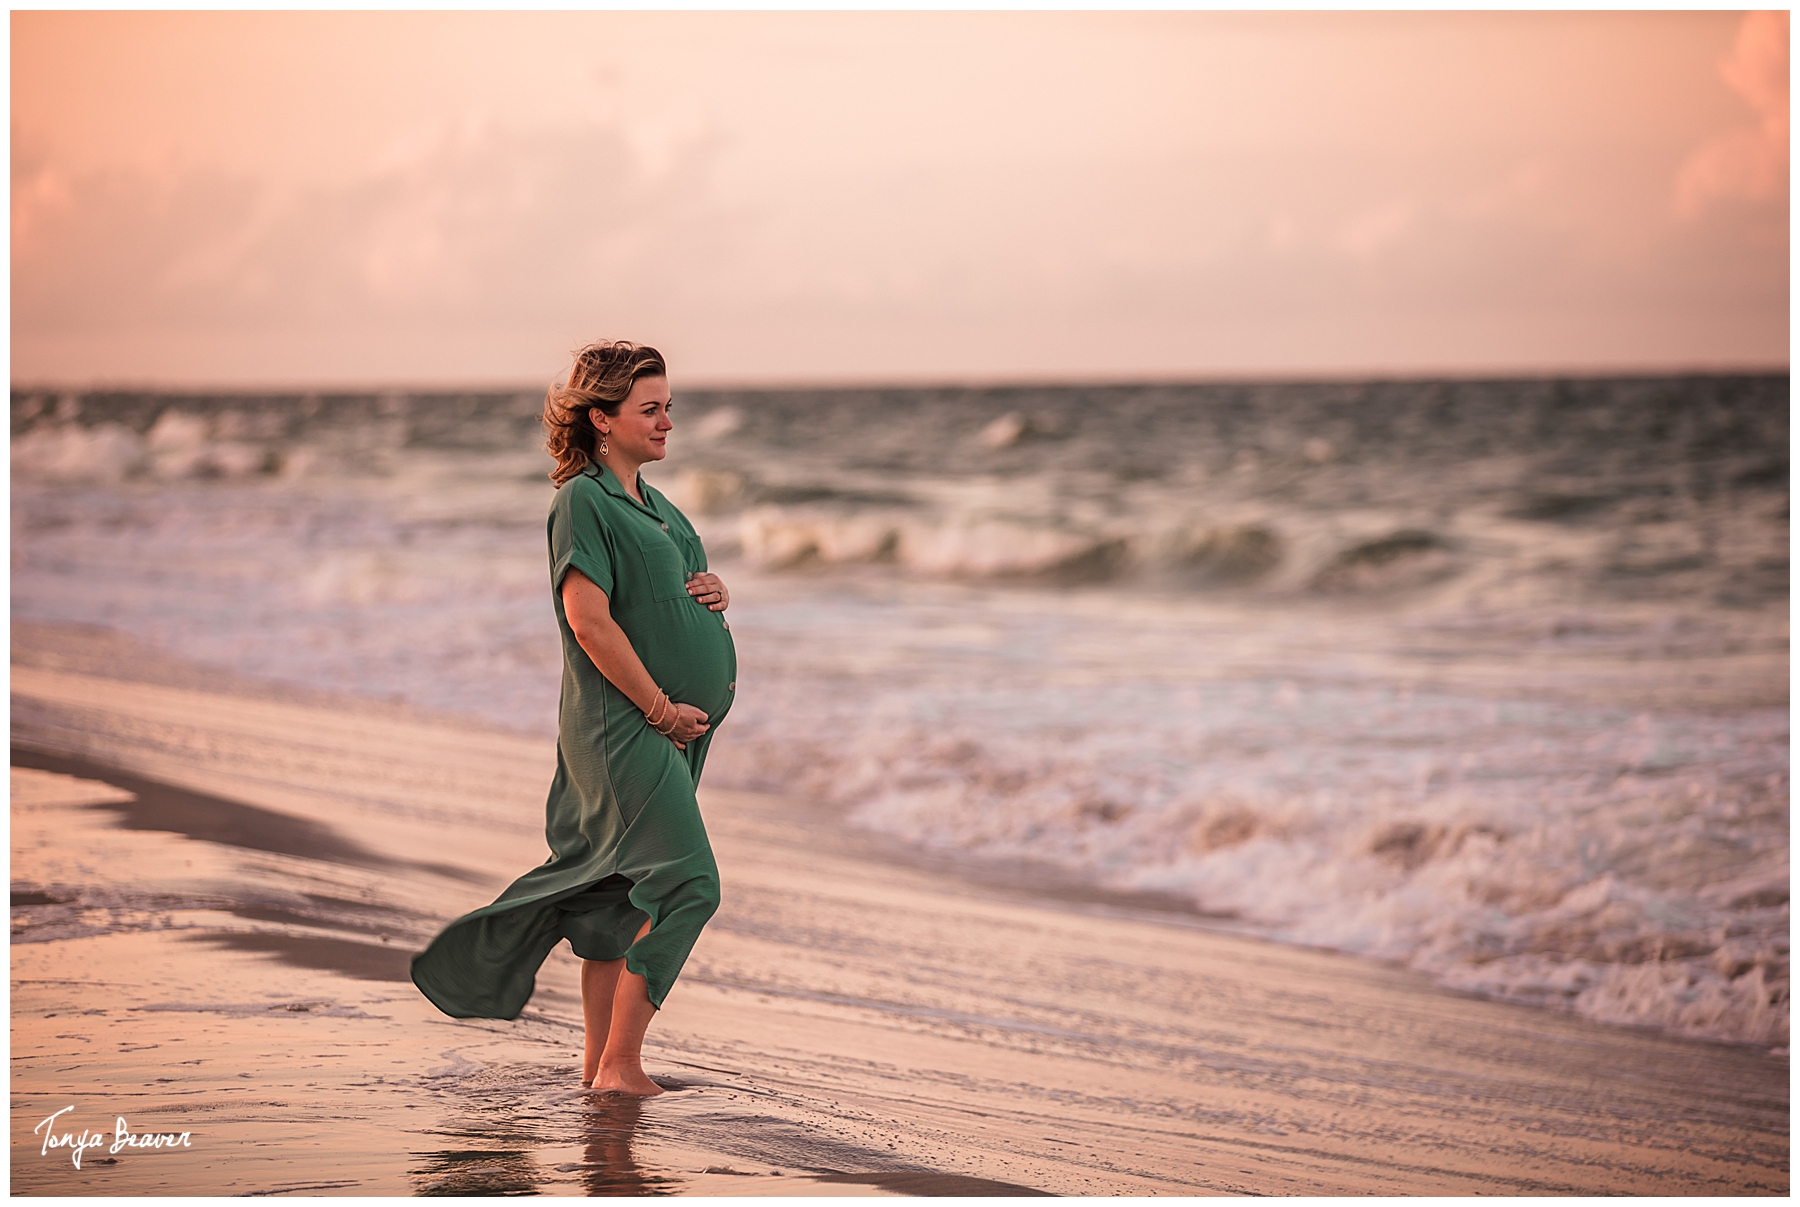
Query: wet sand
pixel 217 885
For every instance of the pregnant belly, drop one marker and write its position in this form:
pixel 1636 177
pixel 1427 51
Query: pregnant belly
pixel 691 656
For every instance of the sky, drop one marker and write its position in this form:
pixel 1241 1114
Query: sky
pixel 340 198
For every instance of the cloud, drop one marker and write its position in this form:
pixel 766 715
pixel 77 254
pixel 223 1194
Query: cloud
pixel 1748 163
pixel 479 226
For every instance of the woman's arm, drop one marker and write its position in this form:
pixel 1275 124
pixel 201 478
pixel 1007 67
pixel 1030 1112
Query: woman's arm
pixel 590 619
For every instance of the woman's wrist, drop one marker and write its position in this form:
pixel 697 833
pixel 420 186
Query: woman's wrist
pixel 664 715
pixel 670 718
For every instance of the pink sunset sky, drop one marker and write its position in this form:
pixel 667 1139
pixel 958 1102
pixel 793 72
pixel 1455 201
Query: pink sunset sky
pixel 220 198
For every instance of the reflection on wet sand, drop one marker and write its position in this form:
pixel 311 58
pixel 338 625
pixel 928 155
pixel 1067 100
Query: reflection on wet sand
pixel 477 1172
pixel 608 1126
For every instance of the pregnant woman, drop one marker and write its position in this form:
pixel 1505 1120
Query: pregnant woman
pixel 648 673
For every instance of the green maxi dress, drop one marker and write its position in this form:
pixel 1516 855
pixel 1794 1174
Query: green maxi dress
pixel 626 839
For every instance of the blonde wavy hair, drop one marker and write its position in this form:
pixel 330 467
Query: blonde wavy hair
pixel 602 376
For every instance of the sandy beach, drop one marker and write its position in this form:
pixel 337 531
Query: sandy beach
pixel 217 885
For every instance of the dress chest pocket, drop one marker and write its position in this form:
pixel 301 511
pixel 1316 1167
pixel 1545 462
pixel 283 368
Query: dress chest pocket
pixel 664 569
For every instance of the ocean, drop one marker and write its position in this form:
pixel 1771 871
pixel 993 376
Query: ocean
pixel 1488 678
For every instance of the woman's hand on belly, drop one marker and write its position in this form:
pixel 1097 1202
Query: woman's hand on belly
pixel 690 723
pixel 709 589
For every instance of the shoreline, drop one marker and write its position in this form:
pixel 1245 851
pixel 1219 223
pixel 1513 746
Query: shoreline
pixel 93 649
pixel 879 1025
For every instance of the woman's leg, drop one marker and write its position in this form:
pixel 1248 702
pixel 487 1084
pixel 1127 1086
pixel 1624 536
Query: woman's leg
pixel 621 1068
pixel 599 980
pixel 615 1005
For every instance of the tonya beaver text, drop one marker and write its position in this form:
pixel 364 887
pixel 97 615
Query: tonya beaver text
pixel 80 1142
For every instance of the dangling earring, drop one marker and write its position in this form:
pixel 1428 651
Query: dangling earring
pixel 603 444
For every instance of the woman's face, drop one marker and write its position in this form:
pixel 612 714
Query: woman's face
pixel 640 431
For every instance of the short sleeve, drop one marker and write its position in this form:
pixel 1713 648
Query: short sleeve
pixel 579 537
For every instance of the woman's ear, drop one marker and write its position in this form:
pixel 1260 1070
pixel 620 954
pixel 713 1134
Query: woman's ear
pixel 597 416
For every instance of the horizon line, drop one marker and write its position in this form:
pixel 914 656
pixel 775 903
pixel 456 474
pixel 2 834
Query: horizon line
pixel 721 383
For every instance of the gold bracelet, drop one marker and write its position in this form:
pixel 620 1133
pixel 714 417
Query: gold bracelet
pixel 674 719
pixel 651 713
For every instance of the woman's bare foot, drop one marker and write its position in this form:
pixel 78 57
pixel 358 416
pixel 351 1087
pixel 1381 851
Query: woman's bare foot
pixel 628 1079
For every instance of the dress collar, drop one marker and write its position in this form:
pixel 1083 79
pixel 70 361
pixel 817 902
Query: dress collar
pixel 610 483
